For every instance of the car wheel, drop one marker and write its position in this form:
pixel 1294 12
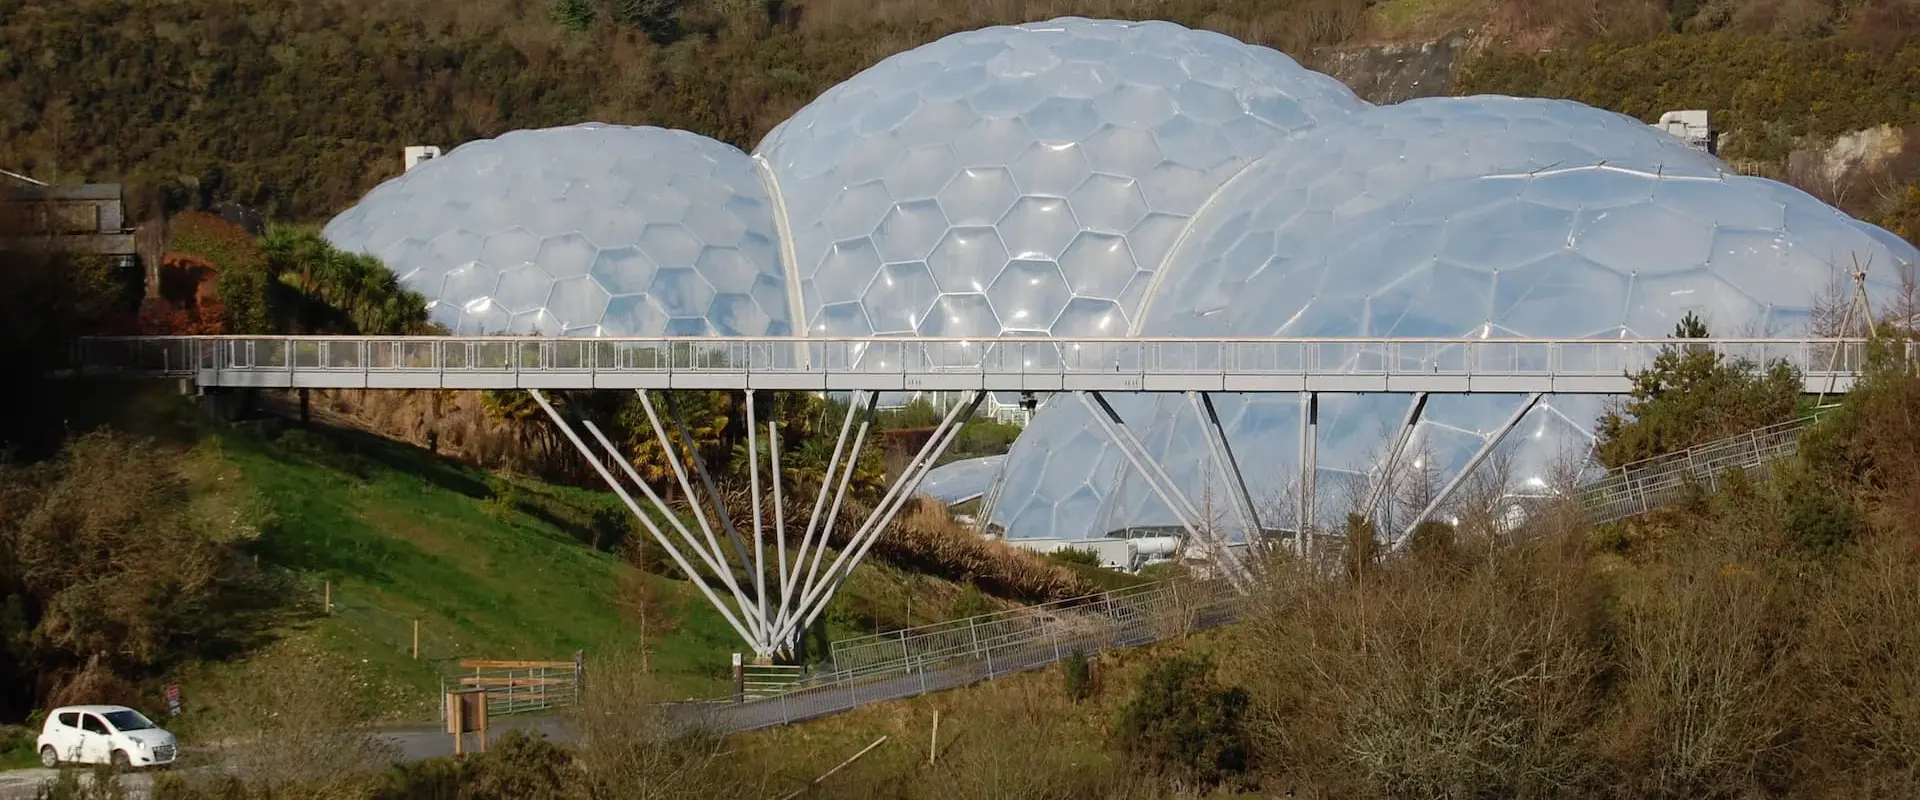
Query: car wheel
pixel 49 758
pixel 120 761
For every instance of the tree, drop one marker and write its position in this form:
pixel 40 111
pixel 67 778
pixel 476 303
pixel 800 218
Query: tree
pixel 1693 394
pixel 574 15
pixel 1182 723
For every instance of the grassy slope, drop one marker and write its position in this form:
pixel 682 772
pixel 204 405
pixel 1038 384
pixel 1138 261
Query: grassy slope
pixel 1068 735
pixel 492 567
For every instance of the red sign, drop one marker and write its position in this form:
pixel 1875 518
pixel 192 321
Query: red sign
pixel 173 699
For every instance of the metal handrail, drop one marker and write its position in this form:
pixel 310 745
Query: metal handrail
pixel 184 355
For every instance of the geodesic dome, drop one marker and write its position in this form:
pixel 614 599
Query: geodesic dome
pixel 1587 251
pixel 1095 178
pixel 1026 178
pixel 583 230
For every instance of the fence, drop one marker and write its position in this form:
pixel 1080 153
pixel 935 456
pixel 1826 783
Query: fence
pixel 863 655
pixel 931 658
pixel 518 687
pixel 1644 485
pixel 760 681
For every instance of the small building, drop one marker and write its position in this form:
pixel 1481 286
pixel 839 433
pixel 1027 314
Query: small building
pixel 74 219
pixel 1693 127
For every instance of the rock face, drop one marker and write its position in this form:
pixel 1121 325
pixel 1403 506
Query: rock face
pixel 1383 74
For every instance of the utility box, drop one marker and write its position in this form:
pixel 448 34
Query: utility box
pixel 1693 127
pixel 416 155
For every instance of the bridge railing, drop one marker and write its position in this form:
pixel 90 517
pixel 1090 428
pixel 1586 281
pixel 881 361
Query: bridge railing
pixel 1647 484
pixel 1022 641
pixel 1359 357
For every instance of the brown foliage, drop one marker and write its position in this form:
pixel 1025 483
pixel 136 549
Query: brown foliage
pixel 112 565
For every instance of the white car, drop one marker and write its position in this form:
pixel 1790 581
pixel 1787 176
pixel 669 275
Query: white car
pixel 114 735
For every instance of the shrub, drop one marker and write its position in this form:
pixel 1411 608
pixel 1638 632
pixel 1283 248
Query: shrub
pixel 1076 675
pixel 1182 723
pixel 1084 556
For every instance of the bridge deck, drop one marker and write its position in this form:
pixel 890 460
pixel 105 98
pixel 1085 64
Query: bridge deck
pixel 1455 366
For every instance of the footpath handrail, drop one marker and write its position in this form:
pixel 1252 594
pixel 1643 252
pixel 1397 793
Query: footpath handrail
pixel 1649 483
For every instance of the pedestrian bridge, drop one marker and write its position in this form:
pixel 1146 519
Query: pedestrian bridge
pixel 886 364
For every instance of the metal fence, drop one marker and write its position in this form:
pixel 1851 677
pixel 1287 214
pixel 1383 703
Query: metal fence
pixel 766 680
pixel 961 638
pixel 496 362
pixel 934 658
pixel 1644 485
pixel 519 687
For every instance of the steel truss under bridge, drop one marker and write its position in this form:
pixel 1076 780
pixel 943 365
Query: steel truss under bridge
pixel 786 586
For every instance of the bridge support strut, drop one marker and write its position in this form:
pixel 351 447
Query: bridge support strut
pixel 769 612
pixel 1479 456
pixel 1199 529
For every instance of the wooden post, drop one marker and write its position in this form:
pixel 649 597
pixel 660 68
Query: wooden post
pixel 483 719
pixel 416 640
pixel 326 594
pixel 933 748
pixel 456 724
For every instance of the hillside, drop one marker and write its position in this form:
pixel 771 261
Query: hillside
pixel 490 566
pixel 206 101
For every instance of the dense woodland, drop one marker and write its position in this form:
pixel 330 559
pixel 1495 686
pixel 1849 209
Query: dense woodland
pixel 296 109
pixel 1756 641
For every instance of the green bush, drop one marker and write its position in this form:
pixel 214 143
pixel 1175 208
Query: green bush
pixel 1765 92
pixel 1076 675
pixel 1183 724
pixel 1076 555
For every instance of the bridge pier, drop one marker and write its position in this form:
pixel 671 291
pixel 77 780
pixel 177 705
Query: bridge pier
pixel 769 612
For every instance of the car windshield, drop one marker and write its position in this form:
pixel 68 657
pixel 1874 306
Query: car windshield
pixel 128 721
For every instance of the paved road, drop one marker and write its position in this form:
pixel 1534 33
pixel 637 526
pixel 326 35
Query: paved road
pixel 424 742
pixel 24 784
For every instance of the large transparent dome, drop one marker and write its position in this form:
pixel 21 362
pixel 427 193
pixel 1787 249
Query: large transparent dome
pixel 583 230
pixel 1617 237
pixel 1027 179
pixel 1093 178
pixel 1338 172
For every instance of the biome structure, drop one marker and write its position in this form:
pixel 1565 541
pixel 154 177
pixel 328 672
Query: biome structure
pixel 1091 178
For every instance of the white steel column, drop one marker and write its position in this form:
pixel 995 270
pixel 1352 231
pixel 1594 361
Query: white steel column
pixel 1472 464
pixel 1222 452
pixel 1309 469
pixel 814 597
pixel 1400 443
pixel 1164 487
pixel 759 524
pixel 746 632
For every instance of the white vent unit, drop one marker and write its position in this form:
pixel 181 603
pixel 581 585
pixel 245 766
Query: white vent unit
pixel 420 152
pixel 1692 127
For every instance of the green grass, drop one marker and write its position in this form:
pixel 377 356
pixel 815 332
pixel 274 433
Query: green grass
pixel 16 748
pixel 492 567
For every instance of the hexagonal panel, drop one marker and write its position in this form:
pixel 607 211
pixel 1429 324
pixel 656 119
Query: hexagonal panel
pixel 1038 227
pixel 898 299
pixel 578 302
pixel 910 231
pixel 566 256
pixel 523 289
pixel 978 196
pixel 1050 168
pixel 1098 265
pixel 967 259
pixel 1108 203
pixel 682 292
pixel 1029 294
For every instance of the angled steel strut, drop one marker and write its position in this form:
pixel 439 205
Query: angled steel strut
pixel 768 612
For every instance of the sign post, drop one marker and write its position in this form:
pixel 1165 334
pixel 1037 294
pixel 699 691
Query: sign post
pixel 173 699
pixel 467 713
